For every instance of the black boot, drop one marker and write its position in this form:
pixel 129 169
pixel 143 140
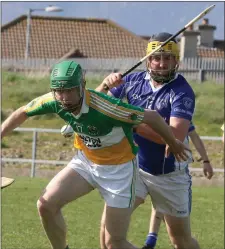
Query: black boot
pixel 147 247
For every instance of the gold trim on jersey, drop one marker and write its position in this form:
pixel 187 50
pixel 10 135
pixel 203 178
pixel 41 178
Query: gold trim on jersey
pixel 39 101
pixel 112 155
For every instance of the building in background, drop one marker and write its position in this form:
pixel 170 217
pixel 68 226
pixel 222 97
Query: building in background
pixel 59 37
pixel 102 46
pixel 201 42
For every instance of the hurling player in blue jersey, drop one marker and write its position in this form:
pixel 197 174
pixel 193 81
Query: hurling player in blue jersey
pixel 157 217
pixel 167 181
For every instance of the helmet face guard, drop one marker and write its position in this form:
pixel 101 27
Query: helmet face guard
pixel 65 105
pixel 170 50
pixel 67 75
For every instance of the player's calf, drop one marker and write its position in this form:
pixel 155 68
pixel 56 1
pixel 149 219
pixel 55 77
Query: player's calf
pixel 185 243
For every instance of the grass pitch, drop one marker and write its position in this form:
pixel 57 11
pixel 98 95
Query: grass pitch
pixel 21 227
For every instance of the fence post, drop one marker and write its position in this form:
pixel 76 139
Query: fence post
pixel 201 75
pixel 33 154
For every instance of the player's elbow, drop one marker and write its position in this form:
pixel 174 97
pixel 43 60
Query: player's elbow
pixel 19 116
pixel 22 112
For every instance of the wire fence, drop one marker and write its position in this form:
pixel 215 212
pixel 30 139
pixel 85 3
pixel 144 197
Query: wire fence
pixel 35 161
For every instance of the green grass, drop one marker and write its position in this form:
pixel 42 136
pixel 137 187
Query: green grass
pixel 21 228
pixel 209 111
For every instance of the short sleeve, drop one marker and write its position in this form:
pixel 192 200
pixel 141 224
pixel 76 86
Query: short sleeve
pixel 183 104
pixel 41 105
pixel 116 109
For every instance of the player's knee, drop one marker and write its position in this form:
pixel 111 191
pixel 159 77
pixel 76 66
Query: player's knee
pixel 45 208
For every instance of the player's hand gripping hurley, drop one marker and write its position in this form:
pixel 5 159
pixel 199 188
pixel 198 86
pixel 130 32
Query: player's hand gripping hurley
pixel 202 14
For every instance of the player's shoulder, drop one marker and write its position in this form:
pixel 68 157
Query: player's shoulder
pixel 44 101
pixel 100 98
pixel 93 93
pixel 101 101
pixel 45 98
pixel 136 76
pixel 180 84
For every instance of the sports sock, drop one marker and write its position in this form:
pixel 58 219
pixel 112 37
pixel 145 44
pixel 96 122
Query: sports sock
pixel 151 240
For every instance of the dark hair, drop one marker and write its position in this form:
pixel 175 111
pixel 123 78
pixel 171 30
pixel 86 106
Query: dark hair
pixel 161 37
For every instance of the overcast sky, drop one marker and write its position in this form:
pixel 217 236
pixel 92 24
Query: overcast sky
pixel 141 18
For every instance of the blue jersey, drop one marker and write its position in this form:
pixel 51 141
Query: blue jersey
pixel 174 99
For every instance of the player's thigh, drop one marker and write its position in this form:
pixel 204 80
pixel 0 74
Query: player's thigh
pixel 137 203
pixel 141 191
pixel 117 222
pixel 117 184
pixel 171 193
pixel 65 187
pixel 178 228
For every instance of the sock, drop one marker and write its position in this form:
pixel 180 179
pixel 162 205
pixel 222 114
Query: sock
pixel 151 240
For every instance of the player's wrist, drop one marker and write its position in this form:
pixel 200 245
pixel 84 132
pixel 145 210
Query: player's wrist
pixel 105 86
pixel 206 161
pixel 171 144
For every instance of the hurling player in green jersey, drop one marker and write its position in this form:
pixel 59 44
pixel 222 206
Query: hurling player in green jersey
pixel 106 157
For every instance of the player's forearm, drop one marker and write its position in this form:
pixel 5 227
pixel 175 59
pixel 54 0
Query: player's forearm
pixel 145 131
pixel 158 124
pixel 101 88
pixel 13 121
pixel 111 81
pixel 200 147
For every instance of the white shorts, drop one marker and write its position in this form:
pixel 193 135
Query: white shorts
pixel 116 183
pixel 170 193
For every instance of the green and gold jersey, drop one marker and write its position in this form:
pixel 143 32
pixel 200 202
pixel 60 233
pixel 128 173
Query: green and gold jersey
pixel 103 128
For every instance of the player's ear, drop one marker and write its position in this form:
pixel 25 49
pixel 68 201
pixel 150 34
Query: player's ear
pixel 177 65
pixel 147 63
